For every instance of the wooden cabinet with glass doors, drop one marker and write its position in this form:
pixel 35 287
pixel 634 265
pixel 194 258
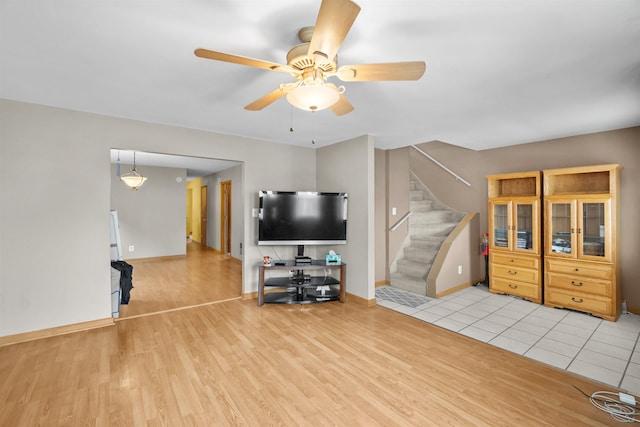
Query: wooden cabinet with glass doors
pixel 514 235
pixel 580 239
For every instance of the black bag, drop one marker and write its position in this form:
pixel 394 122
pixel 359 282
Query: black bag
pixel 126 279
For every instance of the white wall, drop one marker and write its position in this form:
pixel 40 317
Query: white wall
pixel 152 219
pixel 54 217
pixel 349 167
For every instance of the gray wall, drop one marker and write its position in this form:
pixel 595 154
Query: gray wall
pixel 348 167
pixel 398 197
pixel 152 219
pixel 380 217
pixel 212 182
pixel 54 218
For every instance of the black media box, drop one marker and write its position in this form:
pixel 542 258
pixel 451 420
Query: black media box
pixel 303 260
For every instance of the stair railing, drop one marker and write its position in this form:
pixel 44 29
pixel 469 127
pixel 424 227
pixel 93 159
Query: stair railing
pixel 400 221
pixel 455 175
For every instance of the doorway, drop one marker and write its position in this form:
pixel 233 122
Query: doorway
pixel 189 213
pixel 168 280
pixel 225 217
pixel 203 216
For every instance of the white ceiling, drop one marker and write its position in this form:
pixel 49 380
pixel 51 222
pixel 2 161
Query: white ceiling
pixel 498 72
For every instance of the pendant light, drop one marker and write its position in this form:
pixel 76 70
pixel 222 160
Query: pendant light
pixel 133 179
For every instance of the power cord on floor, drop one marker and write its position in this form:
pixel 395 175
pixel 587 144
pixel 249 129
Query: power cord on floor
pixel 621 406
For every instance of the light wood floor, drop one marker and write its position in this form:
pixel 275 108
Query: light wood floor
pixel 234 363
pixel 202 276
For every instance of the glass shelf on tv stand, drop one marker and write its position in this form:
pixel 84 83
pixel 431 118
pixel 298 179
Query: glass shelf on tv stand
pixel 304 287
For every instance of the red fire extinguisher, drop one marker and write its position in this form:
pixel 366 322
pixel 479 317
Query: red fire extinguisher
pixel 484 250
pixel 484 247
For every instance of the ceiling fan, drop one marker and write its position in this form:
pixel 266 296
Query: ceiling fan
pixel 313 61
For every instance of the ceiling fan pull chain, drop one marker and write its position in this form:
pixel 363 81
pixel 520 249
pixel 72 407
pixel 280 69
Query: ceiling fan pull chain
pixel 313 127
pixel 291 123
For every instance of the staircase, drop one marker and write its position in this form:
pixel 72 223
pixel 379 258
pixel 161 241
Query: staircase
pixel 429 225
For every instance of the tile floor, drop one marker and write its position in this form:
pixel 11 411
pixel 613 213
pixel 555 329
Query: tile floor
pixel 607 352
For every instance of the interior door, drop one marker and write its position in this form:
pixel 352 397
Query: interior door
pixel 189 225
pixel 225 217
pixel 203 216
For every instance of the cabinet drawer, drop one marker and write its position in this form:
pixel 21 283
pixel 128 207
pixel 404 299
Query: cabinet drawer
pixel 513 287
pixel 577 268
pixel 578 301
pixel 516 261
pixel 514 273
pixel 579 284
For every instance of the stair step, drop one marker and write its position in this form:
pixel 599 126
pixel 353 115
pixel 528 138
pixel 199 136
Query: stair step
pixel 417 270
pixel 426 242
pixel 442 229
pixel 416 195
pixel 400 281
pixel 422 206
pixel 433 216
pixel 420 254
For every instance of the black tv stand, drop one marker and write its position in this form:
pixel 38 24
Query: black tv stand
pixel 304 287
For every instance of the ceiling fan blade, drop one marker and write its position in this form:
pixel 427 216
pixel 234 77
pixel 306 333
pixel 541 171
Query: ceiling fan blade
pixel 342 107
pixel 382 72
pixel 334 21
pixel 242 60
pixel 266 100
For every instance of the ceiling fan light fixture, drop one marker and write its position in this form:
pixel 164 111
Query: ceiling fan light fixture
pixel 316 58
pixel 313 97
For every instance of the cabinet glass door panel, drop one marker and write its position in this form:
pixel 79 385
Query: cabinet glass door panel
pixel 524 226
pixel 501 225
pixel 592 233
pixel 562 228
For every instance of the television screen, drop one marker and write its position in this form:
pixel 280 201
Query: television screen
pixel 302 218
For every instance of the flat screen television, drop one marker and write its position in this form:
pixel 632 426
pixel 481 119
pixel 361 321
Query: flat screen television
pixel 302 218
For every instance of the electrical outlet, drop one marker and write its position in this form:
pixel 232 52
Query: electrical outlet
pixel 459 269
pixel 393 211
pixel 131 248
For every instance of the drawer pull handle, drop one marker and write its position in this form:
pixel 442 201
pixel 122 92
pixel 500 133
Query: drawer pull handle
pixel 574 299
pixel 513 272
pixel 577 269
pixel 573 282
pixel 513 260
pixel 513 286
